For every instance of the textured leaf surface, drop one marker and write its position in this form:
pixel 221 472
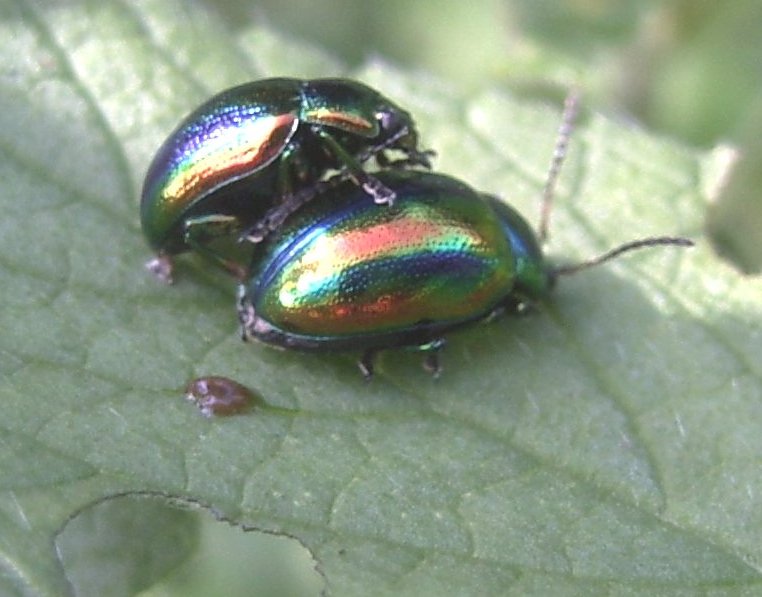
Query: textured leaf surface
pixel 609 444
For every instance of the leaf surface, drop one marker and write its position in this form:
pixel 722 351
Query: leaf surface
pixel 607 444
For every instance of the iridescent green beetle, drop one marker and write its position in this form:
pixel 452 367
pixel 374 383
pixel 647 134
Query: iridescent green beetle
pixel 339 275
pixel 241 152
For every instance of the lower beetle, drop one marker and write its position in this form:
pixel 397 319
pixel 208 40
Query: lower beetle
pixel 340 275
pixel 236 155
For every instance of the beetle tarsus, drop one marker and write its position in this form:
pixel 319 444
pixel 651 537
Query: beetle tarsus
pixel 432 365
pixel 256 234
pixel 161 268
pixel 416 158
pixel 365 363
pixel 245 312
pixel 411 159
pixel 382 195
pixel 431 362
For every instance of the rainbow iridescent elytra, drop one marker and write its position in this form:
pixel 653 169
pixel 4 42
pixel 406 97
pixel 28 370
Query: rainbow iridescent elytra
pixel 340 275
pixel 247 148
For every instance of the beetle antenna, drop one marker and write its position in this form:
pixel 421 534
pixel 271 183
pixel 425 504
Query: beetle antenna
pixel 565 129
pixel 655 241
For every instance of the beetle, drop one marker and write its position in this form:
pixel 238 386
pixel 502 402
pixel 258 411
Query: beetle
pixel 238 154
pixel 339 275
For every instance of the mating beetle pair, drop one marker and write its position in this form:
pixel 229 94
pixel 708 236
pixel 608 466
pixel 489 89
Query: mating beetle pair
pixel 341 273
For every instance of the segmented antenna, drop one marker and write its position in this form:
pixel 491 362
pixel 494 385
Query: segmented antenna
pixel 654 241
pixel 565 129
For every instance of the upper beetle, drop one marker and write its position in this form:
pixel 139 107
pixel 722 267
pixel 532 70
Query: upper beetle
pixel 340 275
pixel 245 149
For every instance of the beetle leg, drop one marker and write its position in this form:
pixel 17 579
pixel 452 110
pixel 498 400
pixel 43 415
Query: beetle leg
pixel 366 363
pixel 161 267
pixel 413 158
pixel 245 312
pixel 432 365
pixel 274 218
pixel 377 150
pixel 517 304
pixel 199 231
pixel 431 362
pixel 423 158
pixel 496 313
pixel 289 168
pixel 370 184
pixel 379 191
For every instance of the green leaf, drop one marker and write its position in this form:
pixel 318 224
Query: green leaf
pixel 607 444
